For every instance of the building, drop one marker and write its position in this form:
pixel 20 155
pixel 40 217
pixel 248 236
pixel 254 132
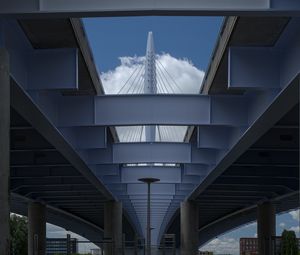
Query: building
pixel 96 251
pixel 249 246
pixel 206 253
pixel 61 246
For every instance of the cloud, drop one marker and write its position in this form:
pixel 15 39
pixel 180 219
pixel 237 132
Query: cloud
pixel 295 215
pixel 251 225
pixel 282 225
pixel 182 71
pixel 295 228
pixel 222 245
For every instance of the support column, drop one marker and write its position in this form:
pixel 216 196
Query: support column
pixel 189 222
pixel 266 227
pixel 4 153
pixel 113 227
pixel 36 229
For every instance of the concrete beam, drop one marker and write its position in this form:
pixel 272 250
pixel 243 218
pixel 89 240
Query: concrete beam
pixel 17 8
pixel 189 221
pixel 36 229
pixel 113 227
pixel 266 227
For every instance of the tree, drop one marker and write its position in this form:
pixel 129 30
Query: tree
pixel 19 233
pixel 289 243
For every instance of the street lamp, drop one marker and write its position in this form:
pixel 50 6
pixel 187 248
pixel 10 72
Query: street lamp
pixel 148 181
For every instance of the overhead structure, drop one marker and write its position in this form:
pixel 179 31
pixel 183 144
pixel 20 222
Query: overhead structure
pixel 238 162
pixel 48 8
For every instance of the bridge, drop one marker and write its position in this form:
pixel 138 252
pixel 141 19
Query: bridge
pixel 63 160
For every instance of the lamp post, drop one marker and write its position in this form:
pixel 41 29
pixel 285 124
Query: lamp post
pixel 148 181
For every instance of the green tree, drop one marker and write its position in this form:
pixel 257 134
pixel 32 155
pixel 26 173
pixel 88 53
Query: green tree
pixel 289 243
pixel 19 233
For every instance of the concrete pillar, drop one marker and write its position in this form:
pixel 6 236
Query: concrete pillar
pixel 189 222
pixel 113 227
pixel 4 152
pixel 36 229
pixel 266 227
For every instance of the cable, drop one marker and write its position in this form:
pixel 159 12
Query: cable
pixel 128 79
pixel 141 67
pixel 170 76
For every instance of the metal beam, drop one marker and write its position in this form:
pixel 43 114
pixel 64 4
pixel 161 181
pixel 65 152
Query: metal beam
pixel 85 137
pixel 284 102
pixel 253 68
pixel 165 174
pixel 48 8
pixel 19 99
pixel 127 110
pixel 53 69
pixel 160 152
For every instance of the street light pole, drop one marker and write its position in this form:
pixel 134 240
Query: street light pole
pixel 148 181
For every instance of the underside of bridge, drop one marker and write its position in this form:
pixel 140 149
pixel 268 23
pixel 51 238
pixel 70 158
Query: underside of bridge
pixel 62 159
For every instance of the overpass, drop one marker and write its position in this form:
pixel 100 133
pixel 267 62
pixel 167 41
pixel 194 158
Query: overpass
pixel 62 160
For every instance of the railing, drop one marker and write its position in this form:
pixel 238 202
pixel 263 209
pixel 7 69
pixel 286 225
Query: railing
pixel 135 247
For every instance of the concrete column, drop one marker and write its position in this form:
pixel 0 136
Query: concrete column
pixel 4 152
pixel 113 227
pixel 266 227
pixel 36 229
pixel 189 222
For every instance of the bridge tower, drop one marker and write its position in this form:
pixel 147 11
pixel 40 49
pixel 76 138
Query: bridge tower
pixel 150 81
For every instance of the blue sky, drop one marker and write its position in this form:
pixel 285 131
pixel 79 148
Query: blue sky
pixel 182 37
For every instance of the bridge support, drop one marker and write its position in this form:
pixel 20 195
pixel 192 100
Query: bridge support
pixel 189 222
pixel 36 229
pixel 266 225
pixel 113 227
pixel 4 151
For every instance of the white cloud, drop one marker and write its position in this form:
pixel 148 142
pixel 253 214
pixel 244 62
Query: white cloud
pixel 186 75
pixel 295 228
pixel 282 225
pixel 222 245
pixel 251 225
pixel 296 215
